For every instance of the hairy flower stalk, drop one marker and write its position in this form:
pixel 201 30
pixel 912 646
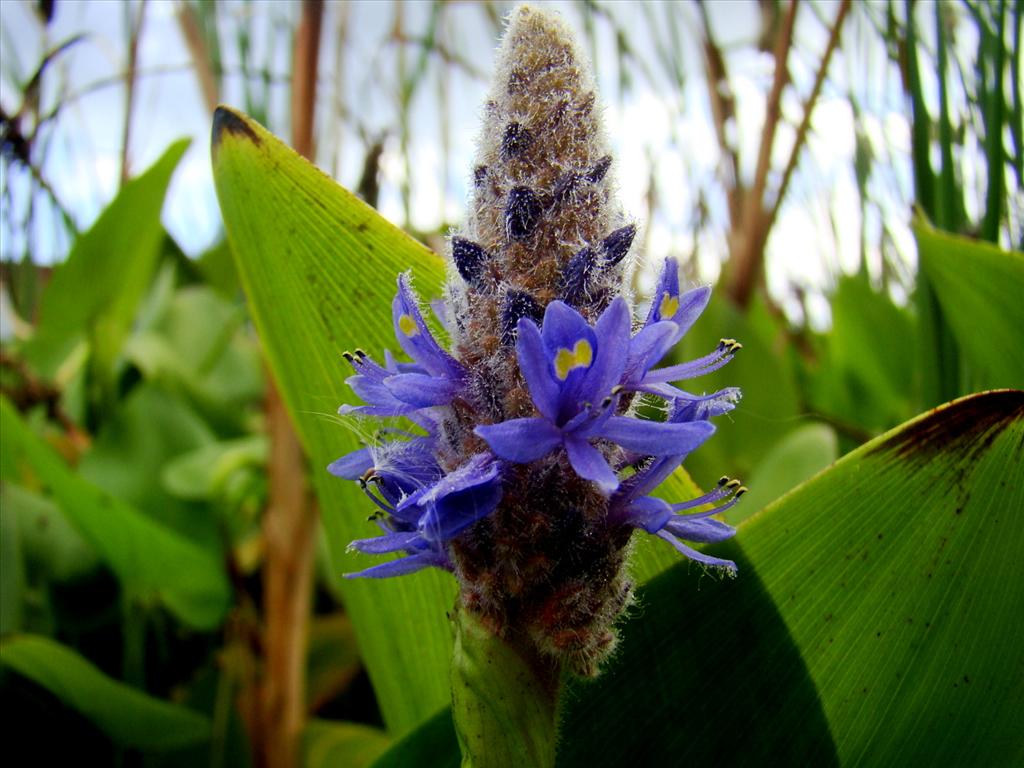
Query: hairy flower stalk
pixel 527 470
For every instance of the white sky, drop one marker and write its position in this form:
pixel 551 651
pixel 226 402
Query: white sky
pixel 83 160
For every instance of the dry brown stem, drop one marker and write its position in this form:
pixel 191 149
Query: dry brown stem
pixel 749 237
pixel 304 77
pixel 289 534
pixel 290 521
pixel 193 35
pixel 723 110
pixel 808 110
pixel 751 213
pixel 129 89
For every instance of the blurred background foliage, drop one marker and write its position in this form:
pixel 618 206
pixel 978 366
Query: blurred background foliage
pixel 165 596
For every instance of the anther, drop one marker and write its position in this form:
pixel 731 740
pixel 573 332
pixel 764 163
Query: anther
pixel 360 353
pixel 348 356
pixel 723 480
pixel 741 490
pixel 617 389
pixel 734 484
pixel 367 476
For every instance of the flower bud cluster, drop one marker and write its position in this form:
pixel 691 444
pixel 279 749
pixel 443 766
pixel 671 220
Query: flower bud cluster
pixel 528 469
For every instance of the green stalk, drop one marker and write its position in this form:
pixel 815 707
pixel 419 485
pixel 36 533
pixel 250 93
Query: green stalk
pixel 1017 123
pixel 995 113
pixel 924 178
pixel 504 698
pixel 948 196
pixel 939 358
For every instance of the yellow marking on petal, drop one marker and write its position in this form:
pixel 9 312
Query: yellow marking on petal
pixel 581 356
pixel 668 307
pixel 407 325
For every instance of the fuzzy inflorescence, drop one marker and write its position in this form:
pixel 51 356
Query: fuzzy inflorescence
pixel 530 470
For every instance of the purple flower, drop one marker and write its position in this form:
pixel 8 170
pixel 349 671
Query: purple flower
pixel 661 518
pixel 668 304
pixel 671 315
pixel 423 507
pixel 530 470
pixel 631 505
pixel 400 389
pixel 574 373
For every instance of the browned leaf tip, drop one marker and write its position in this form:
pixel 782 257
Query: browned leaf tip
pixel 974 421
pixel 225 119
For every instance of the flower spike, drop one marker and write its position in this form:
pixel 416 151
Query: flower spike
pixel 527 466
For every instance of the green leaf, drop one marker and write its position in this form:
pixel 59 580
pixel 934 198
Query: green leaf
pixel 433 743
pixel 332 659
pixel 130 717
pixel 875 621
pixel 797 457
pixel 204 473
pixel 995 115
pixel 326 744
pixel 198 346
pixel 217 266
pixel 138 438
pixel 979 289
pixel 318 267
pixel 150 560
pixel 12 569
pixel 504 706
pixel 877 613
pixel 47 541
pixel 98 289
pixel 860 381
pixel 706 672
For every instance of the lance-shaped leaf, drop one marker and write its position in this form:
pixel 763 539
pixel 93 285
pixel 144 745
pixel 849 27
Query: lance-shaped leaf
pixel 979 288
pixel 875 620
pixel 318 267
pixel 98 289
pixel 327 743
pixel 128 716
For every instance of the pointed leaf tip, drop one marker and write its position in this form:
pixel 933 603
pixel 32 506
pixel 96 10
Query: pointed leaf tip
pixel 312 259
pixel 973 419
pixel 226 119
